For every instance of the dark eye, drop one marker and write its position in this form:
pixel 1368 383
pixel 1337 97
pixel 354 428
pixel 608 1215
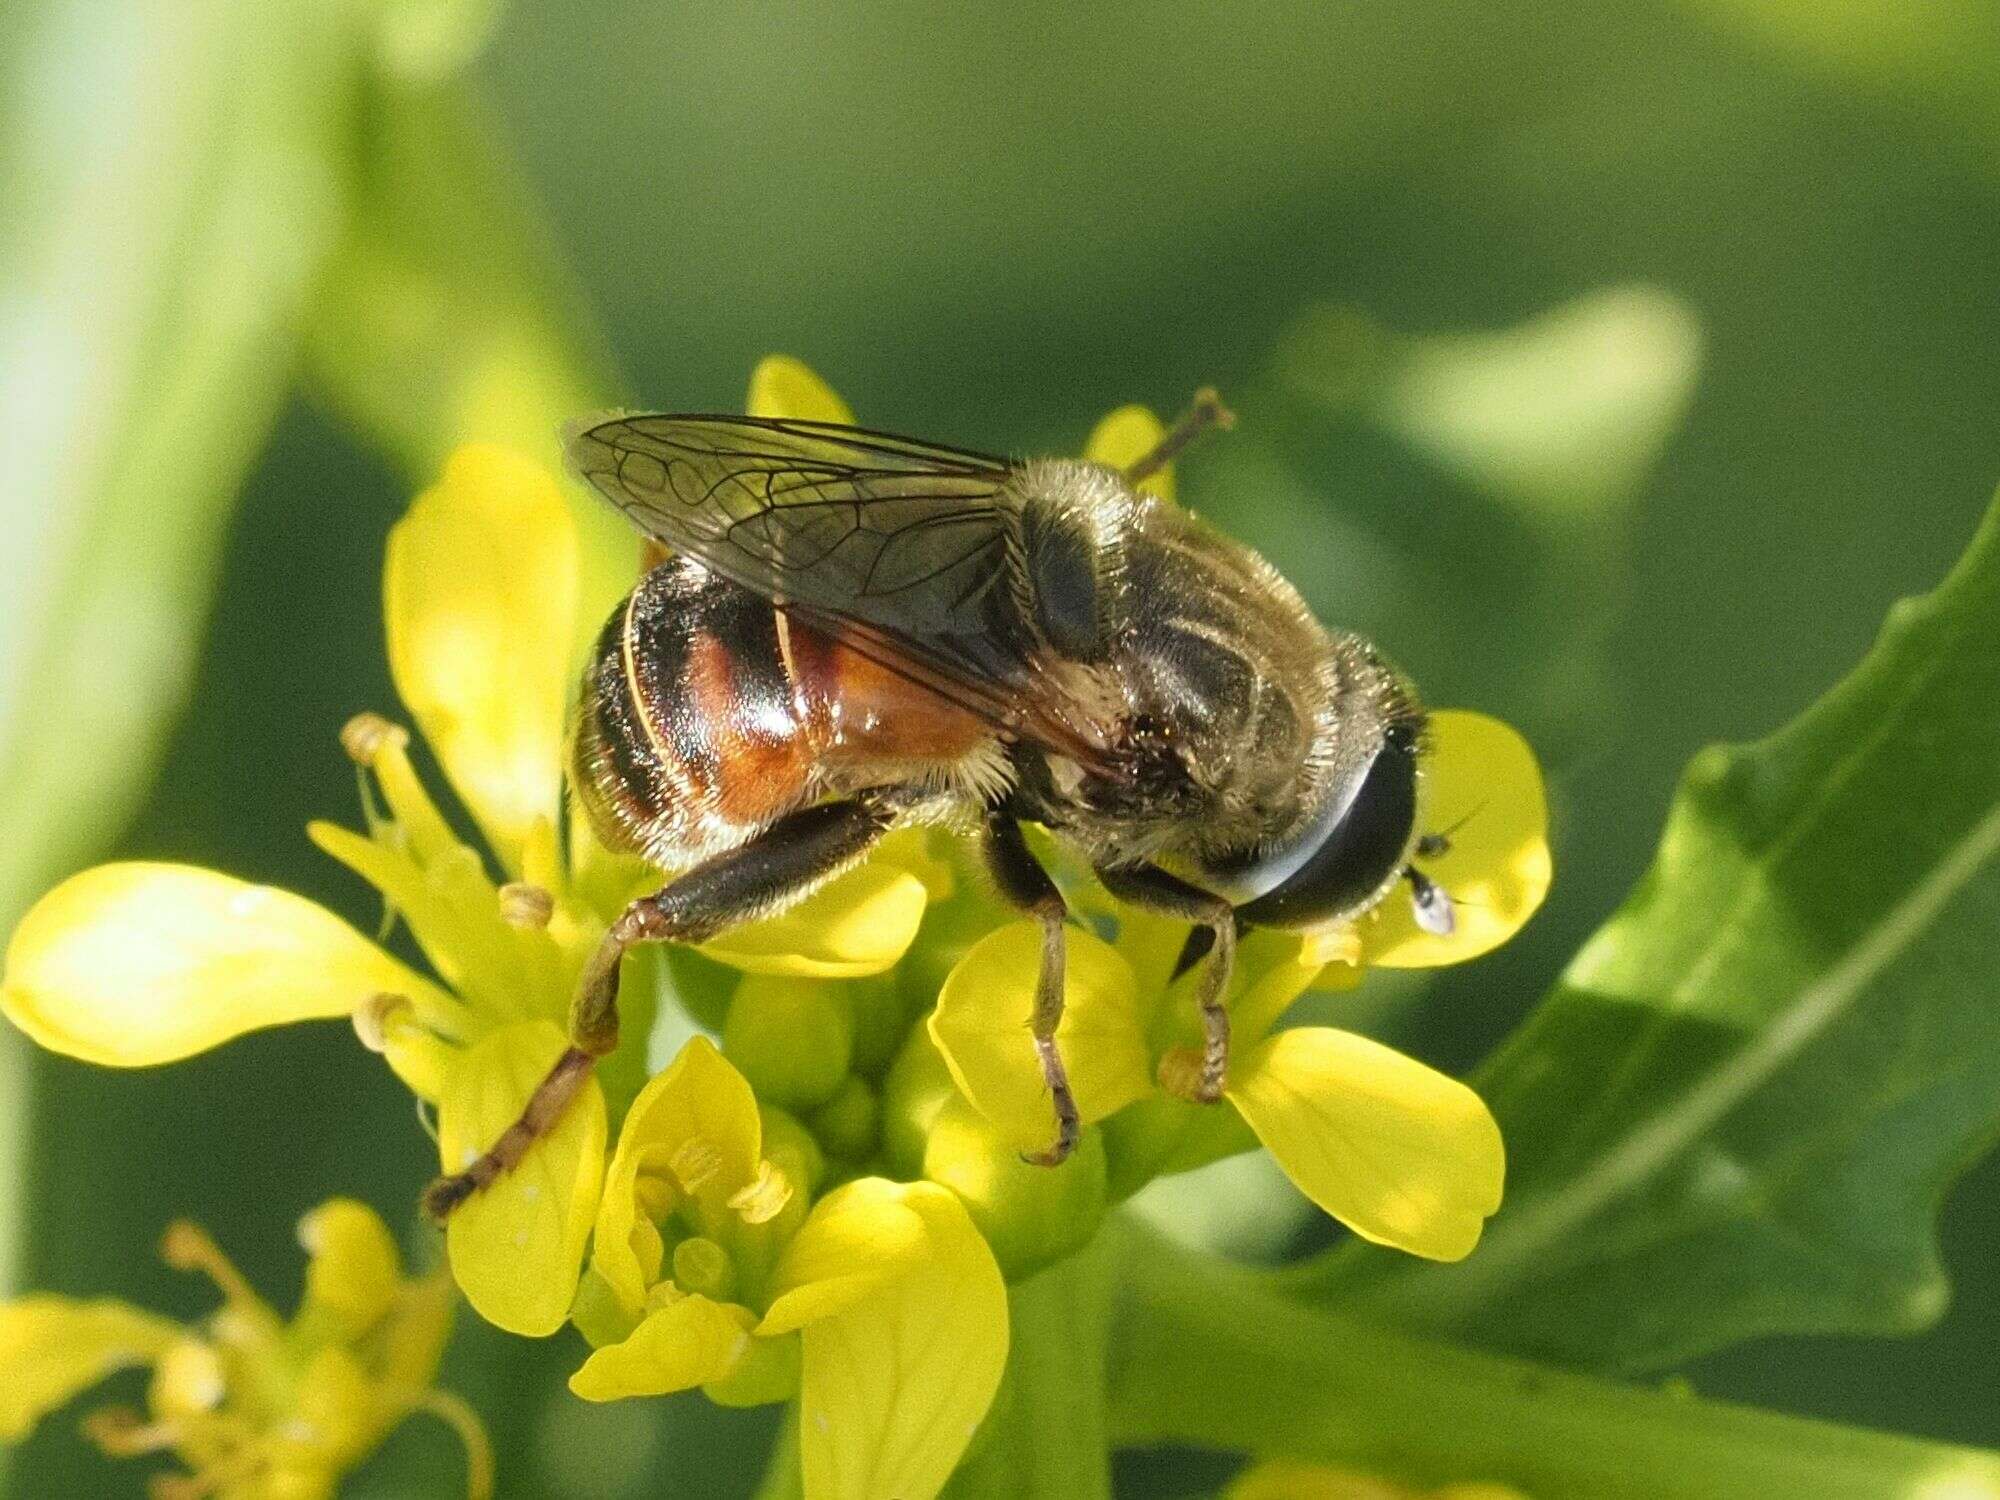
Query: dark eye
pixel 1361 849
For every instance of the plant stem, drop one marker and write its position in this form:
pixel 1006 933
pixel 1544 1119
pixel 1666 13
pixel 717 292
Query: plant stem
pixel 1208 1354
pixel 1046 1438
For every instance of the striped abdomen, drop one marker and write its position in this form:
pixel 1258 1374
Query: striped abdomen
pixel 705 713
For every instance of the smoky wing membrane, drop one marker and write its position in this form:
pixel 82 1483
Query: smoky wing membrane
pixel 899 547
pixel 903 535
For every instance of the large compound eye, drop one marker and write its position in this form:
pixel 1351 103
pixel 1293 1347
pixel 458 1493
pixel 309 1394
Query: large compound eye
pixel 1350 855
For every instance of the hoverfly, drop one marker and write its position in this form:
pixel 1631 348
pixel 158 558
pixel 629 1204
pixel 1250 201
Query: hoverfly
pixel 854 631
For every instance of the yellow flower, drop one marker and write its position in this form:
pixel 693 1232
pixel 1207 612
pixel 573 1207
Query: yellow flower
pixel 1399 1153
pixel 1286 1479
pixel 256 1407
pixel 880 1305
pixel 136 964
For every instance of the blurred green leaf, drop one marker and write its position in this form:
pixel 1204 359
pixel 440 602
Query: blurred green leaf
pixel 174 183
pixel 446 316
pixel 1941 53
pixel 1739 1110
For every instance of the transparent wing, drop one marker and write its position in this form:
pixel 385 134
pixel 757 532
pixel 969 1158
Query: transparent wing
pixel 906 550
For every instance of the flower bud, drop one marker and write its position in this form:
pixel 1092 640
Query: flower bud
pixel 848 1125
pixel 792 1038
pixel 1030 1215
pixel 917 1089
pixel 794 1150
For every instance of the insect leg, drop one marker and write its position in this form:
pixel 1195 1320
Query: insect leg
pixel 1204 412
pixel 1157 890
pixel 778 866
pixel 1026 884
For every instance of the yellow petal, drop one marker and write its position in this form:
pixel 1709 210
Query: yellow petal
pixel 855 1239
pixel 694 1124
pixel 781 386
pixel 859 923
pixel 981 1027
pixel 480 593
pixel 516 1248
pixel 1482 789
pixel 677 1348
pixel 353 1269
pixel 1124 437
pixel 1396 1151
pixel 131 964
pixel 53 1348
pixel 893 1386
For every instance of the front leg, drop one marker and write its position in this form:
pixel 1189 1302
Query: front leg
pixel 1157 890
pixel 1026 884
pixel 777 867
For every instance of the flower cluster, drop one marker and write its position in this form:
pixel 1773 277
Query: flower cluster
pixel 828 1206
pixel 256 1407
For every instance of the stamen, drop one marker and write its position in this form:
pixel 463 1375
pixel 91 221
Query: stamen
pixel 694 1162
pixel 364 736
pixel 526 906
pixel 120 1432
pixel 464 1421
pixel 1180 1073
pixel 186 1246
pixel 764 1198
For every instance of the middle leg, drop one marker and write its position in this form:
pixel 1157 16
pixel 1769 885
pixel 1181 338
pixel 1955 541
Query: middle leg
pixel 1158 890
pixel 1026 884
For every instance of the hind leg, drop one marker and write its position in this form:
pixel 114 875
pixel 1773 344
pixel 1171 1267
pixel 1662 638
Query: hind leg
pixel 780 865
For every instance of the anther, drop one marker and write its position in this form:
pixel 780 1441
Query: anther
pixel 186 1246
pixel 120 1432
pixel 1180 1073
pixel 765 1197
pixel 373 1017
pixel 694 1162
pixel 526 905
pixel 364 735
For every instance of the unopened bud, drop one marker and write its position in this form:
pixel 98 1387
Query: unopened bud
pixel 792 1038
pixel 1032 1216
pixel 849 1125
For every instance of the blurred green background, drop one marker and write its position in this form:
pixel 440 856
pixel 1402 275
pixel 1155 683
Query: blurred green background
pixel 1745 248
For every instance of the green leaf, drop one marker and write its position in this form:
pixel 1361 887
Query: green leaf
pixel 1740 1108
pixel 1208 1355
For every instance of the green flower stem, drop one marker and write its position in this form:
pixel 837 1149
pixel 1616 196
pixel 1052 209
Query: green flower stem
pixel 1046 1438
pixel 1209 1354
